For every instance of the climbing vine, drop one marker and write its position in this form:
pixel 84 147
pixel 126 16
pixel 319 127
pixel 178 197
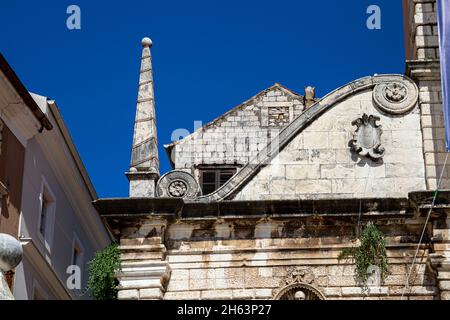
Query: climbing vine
pixel 102 282
pixel 370 252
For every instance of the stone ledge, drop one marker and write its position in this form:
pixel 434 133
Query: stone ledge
pixel 171 208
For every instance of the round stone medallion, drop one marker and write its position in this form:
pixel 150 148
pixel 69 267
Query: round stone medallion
pixel 396 97
pixel 177 189
pixel 177 184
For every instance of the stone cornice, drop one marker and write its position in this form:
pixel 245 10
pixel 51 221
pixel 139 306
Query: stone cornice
pixel 175 208
pixel 25 97
pixel 423 69
pixel 142 175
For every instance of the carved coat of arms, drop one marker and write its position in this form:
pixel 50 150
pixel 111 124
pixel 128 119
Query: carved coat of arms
pixel 367 137
pixel 299 275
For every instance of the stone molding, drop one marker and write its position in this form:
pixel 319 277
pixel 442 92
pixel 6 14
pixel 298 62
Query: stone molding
pixel 424 70
pixel 143 280
pixel 229 189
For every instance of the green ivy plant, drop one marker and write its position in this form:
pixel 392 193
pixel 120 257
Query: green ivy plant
pixel 102 282
pixel 370 252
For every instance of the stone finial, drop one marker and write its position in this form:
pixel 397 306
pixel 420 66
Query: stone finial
pixel 147 42
pixel 144 167
pixel 310 92
pixel 310 96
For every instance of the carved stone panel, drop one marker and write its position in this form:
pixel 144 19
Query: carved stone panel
pixel 299 284
pixel 300 291
pixel 279 116
pixel 297 275
pixel 396 97
pixel 367 137
pixel 177 184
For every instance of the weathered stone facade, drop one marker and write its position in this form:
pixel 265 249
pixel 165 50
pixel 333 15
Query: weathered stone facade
pixel 309 173
pixel 249 250
pixel 423 67
pixel 318 162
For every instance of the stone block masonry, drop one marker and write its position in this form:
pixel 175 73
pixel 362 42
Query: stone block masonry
pixel 423 67
pixel 318 162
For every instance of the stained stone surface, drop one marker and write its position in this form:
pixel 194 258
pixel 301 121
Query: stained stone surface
pixel 247 250
pixel 10 257
pixel 5 293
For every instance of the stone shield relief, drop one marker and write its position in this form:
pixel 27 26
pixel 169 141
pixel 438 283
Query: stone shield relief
pixel 177 184
pixel 367 137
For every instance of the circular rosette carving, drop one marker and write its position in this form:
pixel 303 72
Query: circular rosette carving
pixel 396 97
pixel 177 184
pixel 177 189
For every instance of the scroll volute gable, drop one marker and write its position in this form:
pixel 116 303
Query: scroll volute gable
pixel 362 140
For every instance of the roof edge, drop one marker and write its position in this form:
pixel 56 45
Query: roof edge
pixel 169 146
pixel 72 148
pixel 24 94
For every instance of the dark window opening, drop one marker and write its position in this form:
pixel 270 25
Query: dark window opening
pixel 44 215
pixel 212 179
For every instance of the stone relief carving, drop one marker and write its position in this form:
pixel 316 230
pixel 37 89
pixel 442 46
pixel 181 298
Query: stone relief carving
pixel 396 97
pixel 278 116
pixel 395 92
pixel 299 275
pixel 299 284
pixel 177 189
pixel 177 184
pixel 367 137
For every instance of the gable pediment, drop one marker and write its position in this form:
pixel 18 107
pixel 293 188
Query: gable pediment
pixel 311 156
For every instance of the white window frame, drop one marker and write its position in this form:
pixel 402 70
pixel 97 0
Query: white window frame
pixel 47 239
pixel 76 244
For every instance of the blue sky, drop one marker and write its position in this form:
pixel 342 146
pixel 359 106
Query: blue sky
pixel 208 56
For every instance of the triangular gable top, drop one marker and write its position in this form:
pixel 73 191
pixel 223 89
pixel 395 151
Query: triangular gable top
pixel 241 106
